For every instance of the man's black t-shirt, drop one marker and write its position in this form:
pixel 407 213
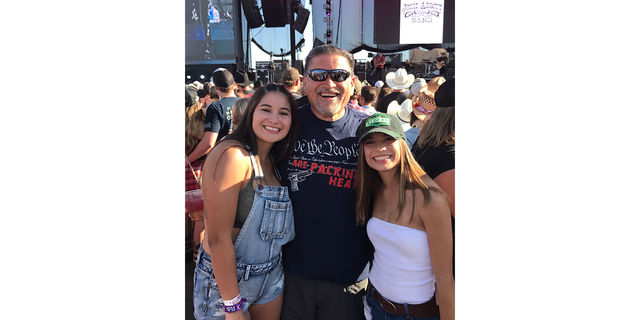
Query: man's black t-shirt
pixel 302 101
pixel 321 176
pixel 218 119
pixel 436 160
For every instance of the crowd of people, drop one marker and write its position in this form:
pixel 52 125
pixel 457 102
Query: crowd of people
pixel 324 197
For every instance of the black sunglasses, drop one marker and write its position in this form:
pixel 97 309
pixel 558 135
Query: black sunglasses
pixel 337 75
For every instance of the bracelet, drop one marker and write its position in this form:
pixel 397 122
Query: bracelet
pixel 231 302
pixel 236 307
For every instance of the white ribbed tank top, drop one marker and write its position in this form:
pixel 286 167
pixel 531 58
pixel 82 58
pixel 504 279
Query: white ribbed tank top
pixel 401 269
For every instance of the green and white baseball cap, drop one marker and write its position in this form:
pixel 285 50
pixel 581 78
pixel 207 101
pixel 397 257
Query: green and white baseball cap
pixel 383 123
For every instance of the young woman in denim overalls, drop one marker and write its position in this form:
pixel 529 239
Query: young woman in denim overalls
pixel 248 213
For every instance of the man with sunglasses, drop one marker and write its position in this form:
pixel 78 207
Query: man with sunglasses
pixel 326 264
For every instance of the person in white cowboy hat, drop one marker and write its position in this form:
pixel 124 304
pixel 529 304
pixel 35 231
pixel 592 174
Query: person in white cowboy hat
pixel 402 112
pixel 399 81
pixel 410 122
pixel 417 85
pixel 415 121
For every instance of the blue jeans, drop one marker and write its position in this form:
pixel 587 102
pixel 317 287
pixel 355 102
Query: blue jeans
pixel 378 313
pixel 258 249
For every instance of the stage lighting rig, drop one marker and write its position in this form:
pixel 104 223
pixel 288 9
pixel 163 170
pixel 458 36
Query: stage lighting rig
pixel 329 22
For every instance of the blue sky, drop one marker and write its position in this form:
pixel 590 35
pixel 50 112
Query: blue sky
pixel 275 38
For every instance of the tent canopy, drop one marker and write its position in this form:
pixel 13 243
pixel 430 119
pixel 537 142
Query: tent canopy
pixel 418 56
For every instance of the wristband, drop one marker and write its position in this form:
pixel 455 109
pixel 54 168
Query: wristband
pixel 236 307
pixel 231 302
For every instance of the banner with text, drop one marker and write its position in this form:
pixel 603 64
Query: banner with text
pixel 421 21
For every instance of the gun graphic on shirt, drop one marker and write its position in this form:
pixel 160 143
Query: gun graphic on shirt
pixel 296 177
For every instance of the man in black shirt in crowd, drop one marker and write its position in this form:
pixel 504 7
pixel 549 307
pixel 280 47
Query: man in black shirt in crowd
pixel 218 115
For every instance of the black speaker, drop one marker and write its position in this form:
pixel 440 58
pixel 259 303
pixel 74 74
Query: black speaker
pixel 275 13
pixel 265 75
pixel 317 42
pixel 298 65
pixel 252 13
pixel 301 20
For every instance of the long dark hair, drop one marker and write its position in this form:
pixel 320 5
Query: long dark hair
pixel 439 130
pixel 281 150
pixel 368 182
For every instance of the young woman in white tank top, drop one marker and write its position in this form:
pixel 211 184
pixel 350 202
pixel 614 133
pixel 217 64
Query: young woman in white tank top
pixel 408 221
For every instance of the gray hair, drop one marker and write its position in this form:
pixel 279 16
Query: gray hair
pixel 329 49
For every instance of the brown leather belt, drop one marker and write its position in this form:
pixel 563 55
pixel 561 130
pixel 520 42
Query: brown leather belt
pixel 424 310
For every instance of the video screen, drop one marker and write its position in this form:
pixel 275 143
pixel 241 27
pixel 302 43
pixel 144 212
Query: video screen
pixel 209 36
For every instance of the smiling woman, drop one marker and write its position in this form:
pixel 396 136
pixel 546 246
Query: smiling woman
pixel 272 118
pixel 242 191
pixel 381 151
pixel 407 219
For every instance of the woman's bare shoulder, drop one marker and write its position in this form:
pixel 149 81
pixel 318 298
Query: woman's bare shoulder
pixel 231 150
pixel 434 195
pixel 229 157
pixel 437 197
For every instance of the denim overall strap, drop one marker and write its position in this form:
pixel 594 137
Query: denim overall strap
pixel 257 170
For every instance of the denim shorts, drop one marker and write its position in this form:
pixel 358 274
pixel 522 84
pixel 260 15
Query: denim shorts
pixel 258 284
pixel 258 250
pixel 373 310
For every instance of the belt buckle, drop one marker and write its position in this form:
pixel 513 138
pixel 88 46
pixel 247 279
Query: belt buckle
pixel 384 306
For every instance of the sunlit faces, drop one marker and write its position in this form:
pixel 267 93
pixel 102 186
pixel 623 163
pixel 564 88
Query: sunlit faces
pixel 440 64
pixel 272 118
pixel 328 98
pixel 381 151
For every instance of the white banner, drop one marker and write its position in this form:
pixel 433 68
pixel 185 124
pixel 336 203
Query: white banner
pixel 421 22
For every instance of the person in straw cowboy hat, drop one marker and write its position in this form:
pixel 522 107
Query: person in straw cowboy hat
pixel 399 81
pixel 423 102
